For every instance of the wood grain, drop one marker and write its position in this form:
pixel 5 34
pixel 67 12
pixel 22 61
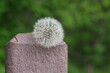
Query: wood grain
pixel 24 55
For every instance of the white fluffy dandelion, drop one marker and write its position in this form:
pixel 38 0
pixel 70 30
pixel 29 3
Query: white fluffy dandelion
pixel 48 32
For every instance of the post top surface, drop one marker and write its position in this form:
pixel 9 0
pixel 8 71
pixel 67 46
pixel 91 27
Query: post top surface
pixel 27 38
pixel 24 38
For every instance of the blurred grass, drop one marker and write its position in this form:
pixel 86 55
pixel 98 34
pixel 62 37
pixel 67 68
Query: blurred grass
pixel 86 24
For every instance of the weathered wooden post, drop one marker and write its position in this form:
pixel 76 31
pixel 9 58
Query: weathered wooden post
pixel 25 55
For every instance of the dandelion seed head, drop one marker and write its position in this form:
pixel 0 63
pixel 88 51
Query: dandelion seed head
pixel 48 32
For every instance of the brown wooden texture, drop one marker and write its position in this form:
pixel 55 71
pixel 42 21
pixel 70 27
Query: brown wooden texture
pixel 24 55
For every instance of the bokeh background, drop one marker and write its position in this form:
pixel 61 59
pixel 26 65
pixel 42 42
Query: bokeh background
pixel 86 24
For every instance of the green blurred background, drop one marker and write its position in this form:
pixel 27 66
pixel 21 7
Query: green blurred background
pixel 86 24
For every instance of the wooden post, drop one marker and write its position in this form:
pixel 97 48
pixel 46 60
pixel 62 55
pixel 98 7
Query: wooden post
pixel 24 55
